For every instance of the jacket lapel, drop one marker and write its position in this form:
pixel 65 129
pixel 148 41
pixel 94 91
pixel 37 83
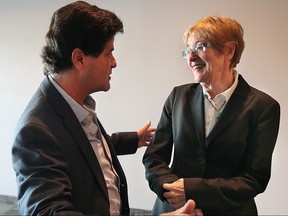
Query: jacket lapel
pixel 237 103
pixel 72 124
pixel 197 108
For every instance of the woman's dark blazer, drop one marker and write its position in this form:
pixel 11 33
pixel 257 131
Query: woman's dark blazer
pixel 225 171
pixel 56 168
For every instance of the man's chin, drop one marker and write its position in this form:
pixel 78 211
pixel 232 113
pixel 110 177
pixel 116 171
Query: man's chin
pixel 103 89
pixel 107 88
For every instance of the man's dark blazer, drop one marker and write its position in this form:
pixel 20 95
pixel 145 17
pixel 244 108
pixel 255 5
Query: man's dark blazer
pixel 56 168
pixel 224 177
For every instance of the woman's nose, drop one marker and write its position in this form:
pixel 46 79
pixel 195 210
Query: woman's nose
pixel 192 56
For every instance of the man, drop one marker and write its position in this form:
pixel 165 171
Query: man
pixel 65 162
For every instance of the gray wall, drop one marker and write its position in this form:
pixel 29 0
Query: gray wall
pixel 149 65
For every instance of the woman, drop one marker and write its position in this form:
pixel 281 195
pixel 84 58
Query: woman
pixel 220 130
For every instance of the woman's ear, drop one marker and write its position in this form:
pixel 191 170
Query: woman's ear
pixel 230 51
pixel 77 58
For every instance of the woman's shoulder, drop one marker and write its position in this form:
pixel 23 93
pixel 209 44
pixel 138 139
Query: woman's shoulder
pixel 187 87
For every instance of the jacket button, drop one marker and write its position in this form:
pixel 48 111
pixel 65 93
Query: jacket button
pixel 201 160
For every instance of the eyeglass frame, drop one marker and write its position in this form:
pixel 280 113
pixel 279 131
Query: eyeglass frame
pixel 195 49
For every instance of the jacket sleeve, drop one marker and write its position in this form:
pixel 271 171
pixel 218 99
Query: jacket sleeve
pixel 41 173
pixel 125 142
pixel 158 154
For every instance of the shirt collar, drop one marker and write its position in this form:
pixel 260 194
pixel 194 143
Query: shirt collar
pixel 80 112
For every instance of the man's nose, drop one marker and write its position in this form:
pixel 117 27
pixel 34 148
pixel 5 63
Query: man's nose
pixel 114 62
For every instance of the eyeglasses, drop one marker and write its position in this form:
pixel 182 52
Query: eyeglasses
pixel 198 48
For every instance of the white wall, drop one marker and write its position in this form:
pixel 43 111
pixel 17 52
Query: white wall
pixel 149 65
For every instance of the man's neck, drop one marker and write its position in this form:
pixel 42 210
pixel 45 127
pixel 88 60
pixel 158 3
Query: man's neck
pixel 70 84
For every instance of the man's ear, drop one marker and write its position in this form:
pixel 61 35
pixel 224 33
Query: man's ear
pixel 77 58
